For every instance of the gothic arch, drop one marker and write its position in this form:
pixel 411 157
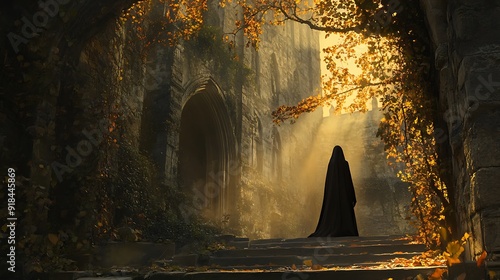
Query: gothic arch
pixel 208 167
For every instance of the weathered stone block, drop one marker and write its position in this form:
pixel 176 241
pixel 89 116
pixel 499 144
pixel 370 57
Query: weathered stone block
pixel 177 275
pixel 494 266
pixel 473 26
pixel 485 184
pixel 465 22
pixel 467 271
pixel 64 275
pixel 491 230
pixel 477 241
pixel 481 77
pixel 133 253
pixel 481 146
pixel 108 278
pixel 185 260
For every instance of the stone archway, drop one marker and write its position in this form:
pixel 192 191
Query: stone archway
pixel 208 169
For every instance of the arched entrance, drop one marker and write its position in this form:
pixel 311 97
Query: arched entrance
pixel 207 163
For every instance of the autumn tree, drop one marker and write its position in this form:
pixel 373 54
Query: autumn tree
pixel 387 42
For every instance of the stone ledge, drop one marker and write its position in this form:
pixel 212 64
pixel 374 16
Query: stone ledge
pixel 485 187
pixel 350 274
pixel 491 231
pixel 467 271
pixel 132 253
pixel 481 139
pixel 494 266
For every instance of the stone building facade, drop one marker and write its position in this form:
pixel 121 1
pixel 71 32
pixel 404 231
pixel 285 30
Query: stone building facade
pixel 209 127
pixel 466 38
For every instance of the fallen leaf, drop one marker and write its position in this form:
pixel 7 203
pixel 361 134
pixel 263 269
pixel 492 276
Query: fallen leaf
pixel 53 238
pixel 481 259
pixel 455 249
pixel 451 261
pixel 437 274
pixel 316 267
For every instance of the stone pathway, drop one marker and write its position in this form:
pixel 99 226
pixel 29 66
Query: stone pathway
pixel 348 258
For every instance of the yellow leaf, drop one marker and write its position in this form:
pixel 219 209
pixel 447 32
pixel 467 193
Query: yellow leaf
pixel 308 263
pixel 53 238
pixel 465 237
pixel 454 249
pixel 452 261
pixel 437 274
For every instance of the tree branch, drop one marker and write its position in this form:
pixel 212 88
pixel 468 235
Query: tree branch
pixel 330 29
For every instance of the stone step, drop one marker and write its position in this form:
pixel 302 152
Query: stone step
pixel 273 267
pixel 107 278
pixel 239 244
pixel 132 253
pixel 328 259
pixel 327 249
pixel 338 238
pixel 340 258
pixel 341 239
pixel 351 274
pixel 320 241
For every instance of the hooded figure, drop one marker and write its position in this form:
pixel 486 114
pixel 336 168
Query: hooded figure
pixel 337 213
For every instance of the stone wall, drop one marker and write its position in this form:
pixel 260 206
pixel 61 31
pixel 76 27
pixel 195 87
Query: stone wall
pixel 467 42
pixel 207 124
pixel 83 59
pixel 286 68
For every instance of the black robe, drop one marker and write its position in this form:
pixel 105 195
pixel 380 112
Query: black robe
pixel 337 213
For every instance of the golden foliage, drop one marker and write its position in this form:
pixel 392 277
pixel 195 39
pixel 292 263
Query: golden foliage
pixel 454 250
pixel 181 19
pixel 391 62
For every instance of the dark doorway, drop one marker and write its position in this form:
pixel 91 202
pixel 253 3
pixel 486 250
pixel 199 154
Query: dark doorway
pixel 207 153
